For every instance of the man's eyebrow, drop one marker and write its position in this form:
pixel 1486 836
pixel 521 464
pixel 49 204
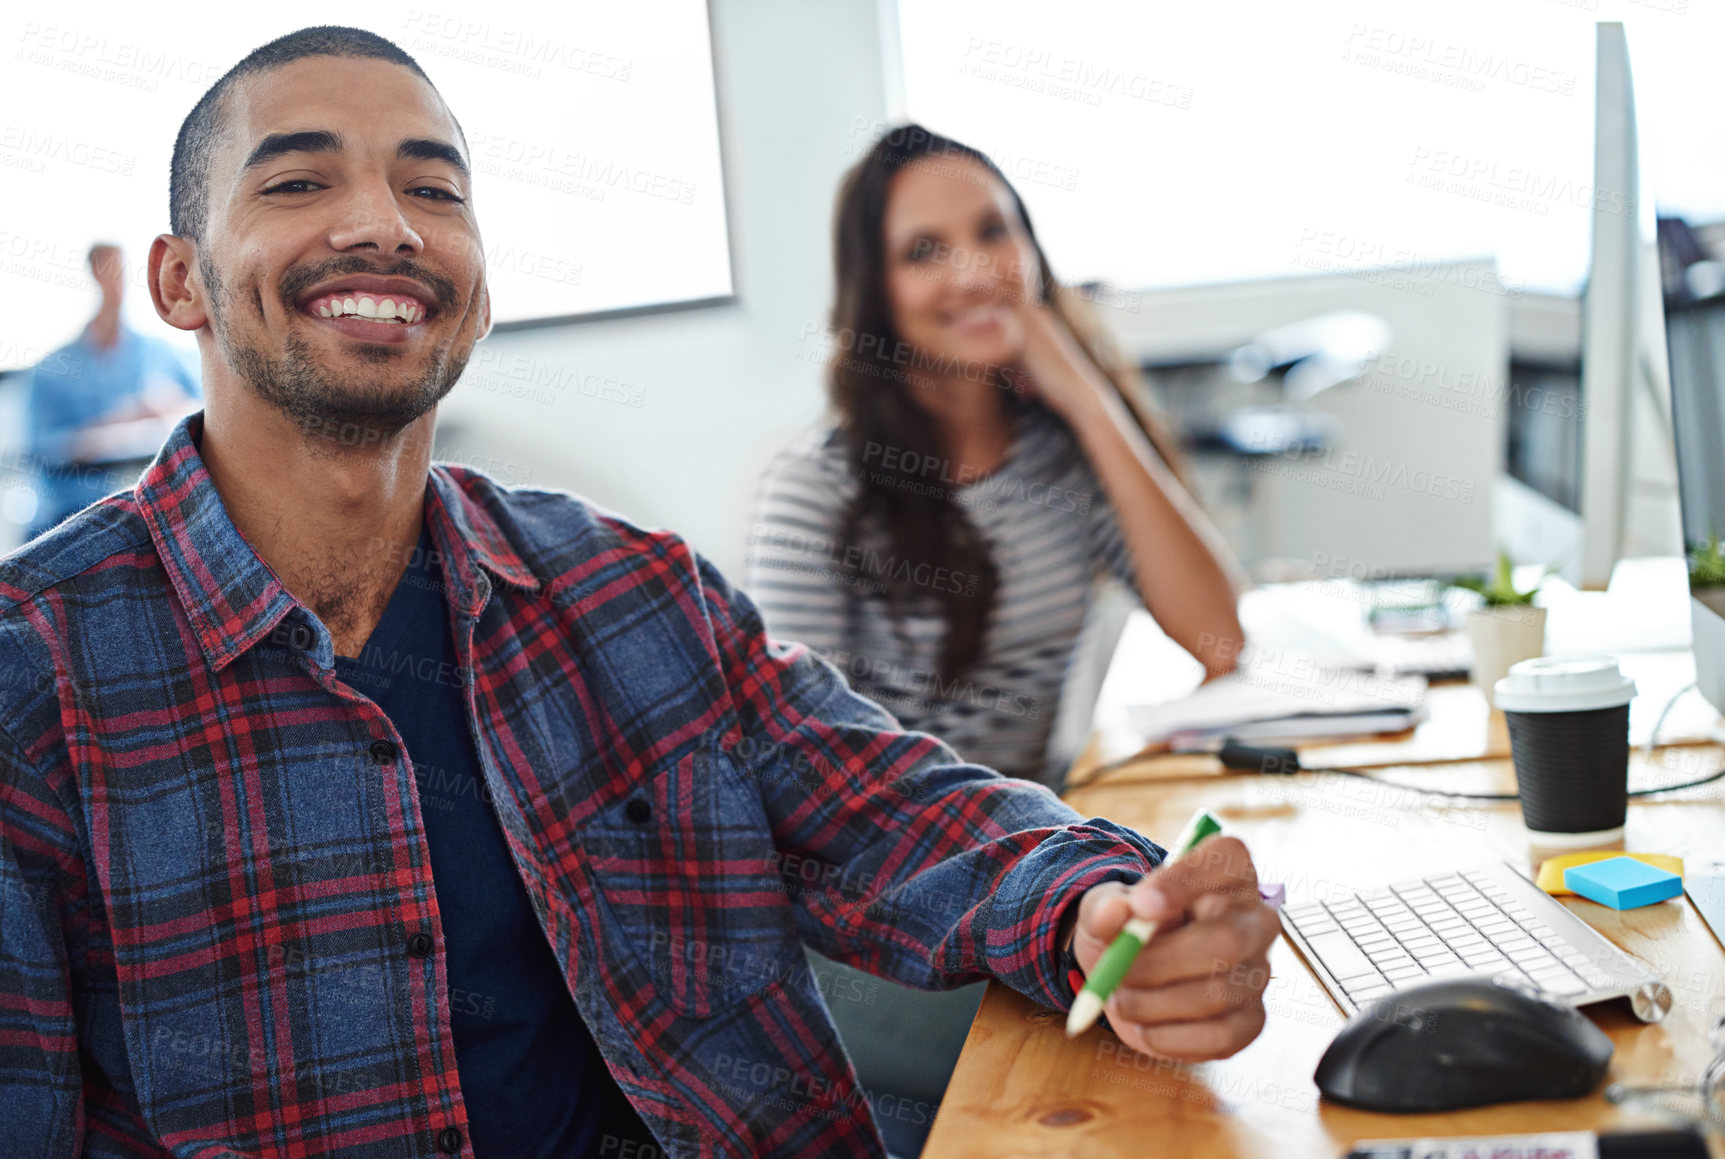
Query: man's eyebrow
pixel 305 141
pixel 426 149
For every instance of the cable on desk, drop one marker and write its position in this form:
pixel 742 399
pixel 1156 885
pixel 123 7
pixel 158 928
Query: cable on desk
pixel 1286 762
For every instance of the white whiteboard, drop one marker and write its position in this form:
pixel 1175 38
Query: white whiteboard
pixel 1168 145
pixel 593 130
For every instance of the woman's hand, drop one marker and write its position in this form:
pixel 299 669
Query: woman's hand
pixel 1055 368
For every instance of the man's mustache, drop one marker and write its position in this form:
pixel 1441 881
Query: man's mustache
pixel 298 280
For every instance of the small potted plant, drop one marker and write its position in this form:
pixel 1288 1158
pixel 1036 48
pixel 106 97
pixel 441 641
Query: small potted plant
pixel 1506 629
pixel 1707 572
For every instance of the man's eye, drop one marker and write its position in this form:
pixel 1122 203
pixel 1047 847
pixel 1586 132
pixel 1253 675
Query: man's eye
pixel 440 194
pixel 997 229
pixel 304 186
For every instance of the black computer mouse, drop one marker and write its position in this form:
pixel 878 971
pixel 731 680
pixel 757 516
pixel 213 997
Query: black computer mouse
pixel 1462 1042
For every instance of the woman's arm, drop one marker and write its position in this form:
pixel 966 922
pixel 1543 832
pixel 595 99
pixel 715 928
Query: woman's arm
pixel 1185 575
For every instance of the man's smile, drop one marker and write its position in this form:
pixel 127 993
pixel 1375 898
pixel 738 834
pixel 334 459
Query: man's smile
pixel 370 307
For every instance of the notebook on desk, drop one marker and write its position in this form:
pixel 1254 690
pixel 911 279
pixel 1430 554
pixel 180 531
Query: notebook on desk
pixel 1265 704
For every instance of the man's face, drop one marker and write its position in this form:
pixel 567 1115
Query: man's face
pixel 341 258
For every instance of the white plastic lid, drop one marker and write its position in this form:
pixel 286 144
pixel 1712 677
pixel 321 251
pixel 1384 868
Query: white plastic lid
pixel 1563 684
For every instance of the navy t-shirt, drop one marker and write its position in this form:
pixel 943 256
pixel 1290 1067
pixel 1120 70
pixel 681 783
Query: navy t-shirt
pixel 531 1076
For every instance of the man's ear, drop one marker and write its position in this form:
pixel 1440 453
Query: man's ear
pixel 485 330
pixel 178 298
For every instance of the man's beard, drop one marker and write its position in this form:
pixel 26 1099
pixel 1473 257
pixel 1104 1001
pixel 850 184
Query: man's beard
pixel 353 411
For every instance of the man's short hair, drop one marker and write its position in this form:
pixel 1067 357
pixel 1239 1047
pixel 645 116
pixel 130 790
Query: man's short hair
pixel 189 179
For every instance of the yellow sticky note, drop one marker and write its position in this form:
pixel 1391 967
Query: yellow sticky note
pixel 1551 872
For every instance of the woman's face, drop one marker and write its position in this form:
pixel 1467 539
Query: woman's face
pixel 959 265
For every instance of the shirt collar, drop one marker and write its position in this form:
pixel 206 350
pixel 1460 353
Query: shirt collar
pixel 232 598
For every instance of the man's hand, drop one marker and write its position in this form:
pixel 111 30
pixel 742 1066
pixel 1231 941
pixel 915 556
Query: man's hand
pixel 1196 991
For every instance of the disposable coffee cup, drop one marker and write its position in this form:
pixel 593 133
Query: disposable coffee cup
pixel 1569 736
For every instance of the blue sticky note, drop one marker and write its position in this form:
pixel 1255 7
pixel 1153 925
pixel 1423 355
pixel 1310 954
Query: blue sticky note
pixel 1622 882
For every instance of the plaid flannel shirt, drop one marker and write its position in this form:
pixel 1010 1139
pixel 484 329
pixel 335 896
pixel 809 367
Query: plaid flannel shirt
pixel 218 933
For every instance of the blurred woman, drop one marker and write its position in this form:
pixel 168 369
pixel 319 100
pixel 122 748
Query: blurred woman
pixel 939 542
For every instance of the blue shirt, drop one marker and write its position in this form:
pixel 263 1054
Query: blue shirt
pixel 532 1077
pixel 72 388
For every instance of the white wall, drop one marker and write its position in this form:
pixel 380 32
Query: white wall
pixel 1406 485
pixel 669 418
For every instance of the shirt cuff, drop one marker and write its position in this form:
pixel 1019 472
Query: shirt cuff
pixel 1025 952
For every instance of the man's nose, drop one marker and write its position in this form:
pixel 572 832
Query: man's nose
pixel 372 218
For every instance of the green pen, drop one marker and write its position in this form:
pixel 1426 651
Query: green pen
pixel 1117 959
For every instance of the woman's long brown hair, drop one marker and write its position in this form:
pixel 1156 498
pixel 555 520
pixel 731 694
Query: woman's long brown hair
pixel 869 385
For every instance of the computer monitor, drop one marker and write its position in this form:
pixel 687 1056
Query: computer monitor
pixel 1695 343
pixel 1572 441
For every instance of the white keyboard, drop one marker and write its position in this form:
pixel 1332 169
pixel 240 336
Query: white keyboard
pixel 1489 921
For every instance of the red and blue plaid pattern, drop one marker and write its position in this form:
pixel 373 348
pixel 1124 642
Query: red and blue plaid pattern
pixel 218 933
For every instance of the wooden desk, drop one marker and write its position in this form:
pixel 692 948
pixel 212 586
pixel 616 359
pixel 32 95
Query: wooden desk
pixel 1021 1089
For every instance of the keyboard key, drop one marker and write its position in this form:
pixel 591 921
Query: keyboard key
pixel 1341 957
pixel 1457 969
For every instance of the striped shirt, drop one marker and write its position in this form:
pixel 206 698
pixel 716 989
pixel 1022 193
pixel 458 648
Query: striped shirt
pixel 1050 529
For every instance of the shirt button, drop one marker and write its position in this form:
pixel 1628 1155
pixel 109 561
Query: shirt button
pixel 420 944
pixel 449 1140
pixel 382 752
pixel 638 811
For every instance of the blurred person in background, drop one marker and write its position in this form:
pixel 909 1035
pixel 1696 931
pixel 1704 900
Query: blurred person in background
pixel 941 541
pixel 104 400
pixel 992 453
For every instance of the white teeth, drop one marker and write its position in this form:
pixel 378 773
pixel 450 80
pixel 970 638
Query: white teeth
pixel 386 310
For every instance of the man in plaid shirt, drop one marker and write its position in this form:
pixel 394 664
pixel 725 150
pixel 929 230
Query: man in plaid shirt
pixel 355 805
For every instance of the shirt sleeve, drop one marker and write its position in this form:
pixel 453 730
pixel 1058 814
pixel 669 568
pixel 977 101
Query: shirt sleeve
pixel 1104 542
pixel 795 571
pixel 41 1090
pixel 933 872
